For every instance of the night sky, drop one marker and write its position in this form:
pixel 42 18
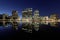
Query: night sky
pixel 46 7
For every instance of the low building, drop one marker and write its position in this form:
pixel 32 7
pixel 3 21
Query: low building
pixel 44 20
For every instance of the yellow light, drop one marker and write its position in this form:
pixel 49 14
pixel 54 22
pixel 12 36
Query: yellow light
pixel 27 20
pixel 18 20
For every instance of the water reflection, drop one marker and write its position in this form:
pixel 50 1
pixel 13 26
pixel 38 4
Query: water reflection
pixel 43 25
pixel 51 25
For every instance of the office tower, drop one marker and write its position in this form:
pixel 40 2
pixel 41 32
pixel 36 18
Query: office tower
pixel 27 13
pixel 24 16
pixel 36 13
pixel 30 19
pixel 36 16
pixel 36 20
pixel 13 18
pixel 14 14
pixel 27 19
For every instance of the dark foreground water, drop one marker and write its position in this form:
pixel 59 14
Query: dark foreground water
pixel 44 31
pixel 14 34
pixel 8 33
pixel 47 31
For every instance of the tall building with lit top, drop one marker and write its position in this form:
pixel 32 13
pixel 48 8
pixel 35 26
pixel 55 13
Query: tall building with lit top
pixel 14 18
pixel 36 20
pixel 27 15
pixel 27 19
pixel 14 14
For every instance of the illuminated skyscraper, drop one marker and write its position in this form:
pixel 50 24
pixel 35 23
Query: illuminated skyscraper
pixel 27 19
pixel 36 13
pixel 13 18
pixel 36 20
pixel 14 14
pixel 27 15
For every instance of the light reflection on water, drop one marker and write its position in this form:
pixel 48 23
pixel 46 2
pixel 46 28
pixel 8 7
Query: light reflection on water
pixel 41 27
pixel 49 27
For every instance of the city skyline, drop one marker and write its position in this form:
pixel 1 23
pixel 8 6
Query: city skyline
pixel 43 20
pixel 29 19
pixel 45 7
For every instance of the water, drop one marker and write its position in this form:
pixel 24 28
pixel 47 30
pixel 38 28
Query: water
pixel 42 28
pixel 49 28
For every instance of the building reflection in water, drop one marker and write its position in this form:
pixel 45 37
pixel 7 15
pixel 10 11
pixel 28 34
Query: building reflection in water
pixel 30 20
pixel 35 21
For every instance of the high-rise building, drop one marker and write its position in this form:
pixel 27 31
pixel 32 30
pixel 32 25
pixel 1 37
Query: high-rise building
pixel 36 13
pixel 27 19
pixel 36 20
pixel 26 15
pixel 13 18
pixel 14 14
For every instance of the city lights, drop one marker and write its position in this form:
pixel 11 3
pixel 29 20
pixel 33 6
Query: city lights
pixel 28 20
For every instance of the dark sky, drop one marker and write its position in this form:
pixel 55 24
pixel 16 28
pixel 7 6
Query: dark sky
pixel 46 7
